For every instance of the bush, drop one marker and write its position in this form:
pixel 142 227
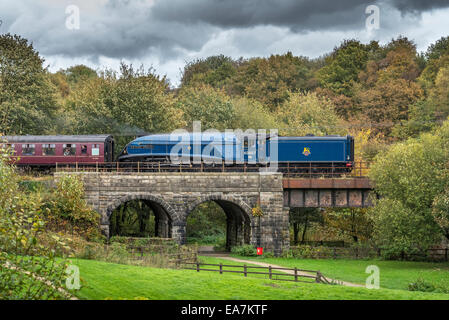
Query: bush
pixel 246 251
pixel 29 269
pixel 67 210
pixel 425 286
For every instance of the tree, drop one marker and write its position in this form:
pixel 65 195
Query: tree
pixel 131 103
pixel 252 114
pixel 29 268
pixel 213 71
pixel 79 73
pixel 206 104
pixel 308 113
pixel 303 217
pixel 440 212
pixel 270 80
pixel 408 178
pixel 27 104
pixel 353 222
pixel 343 66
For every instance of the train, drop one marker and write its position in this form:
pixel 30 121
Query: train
pixel 330 153
pixel 47 151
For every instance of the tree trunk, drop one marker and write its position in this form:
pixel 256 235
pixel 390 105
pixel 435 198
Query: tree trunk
pixel 295 232
pixel 305 229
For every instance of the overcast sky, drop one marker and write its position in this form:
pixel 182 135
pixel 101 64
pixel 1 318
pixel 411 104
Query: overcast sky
pixel 165 34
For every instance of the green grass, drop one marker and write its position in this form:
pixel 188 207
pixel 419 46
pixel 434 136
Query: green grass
pixel 393 274
pixel 101 280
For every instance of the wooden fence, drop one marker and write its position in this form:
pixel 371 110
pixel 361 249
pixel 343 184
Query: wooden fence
pixel 289 274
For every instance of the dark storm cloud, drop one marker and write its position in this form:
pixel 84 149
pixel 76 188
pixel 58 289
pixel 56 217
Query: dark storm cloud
pixel 167 29
pixel 417 6
pixel 296 14
pixel 299 15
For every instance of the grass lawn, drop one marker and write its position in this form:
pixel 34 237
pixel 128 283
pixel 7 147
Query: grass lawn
pixel 393 274
pixel 102 280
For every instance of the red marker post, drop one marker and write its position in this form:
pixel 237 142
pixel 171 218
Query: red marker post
pixel 259 251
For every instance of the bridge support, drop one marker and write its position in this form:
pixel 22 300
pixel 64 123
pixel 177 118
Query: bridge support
pixel 173 196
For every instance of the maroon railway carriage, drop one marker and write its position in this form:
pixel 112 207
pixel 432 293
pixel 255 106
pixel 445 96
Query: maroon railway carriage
pixel 50 150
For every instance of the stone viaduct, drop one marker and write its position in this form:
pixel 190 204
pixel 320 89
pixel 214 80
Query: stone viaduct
pixel 173 196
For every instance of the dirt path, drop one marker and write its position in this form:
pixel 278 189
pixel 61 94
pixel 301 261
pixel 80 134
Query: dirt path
pixel 263 264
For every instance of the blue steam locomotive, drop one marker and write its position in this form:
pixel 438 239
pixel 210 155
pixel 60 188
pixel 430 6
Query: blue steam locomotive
pixel 323 154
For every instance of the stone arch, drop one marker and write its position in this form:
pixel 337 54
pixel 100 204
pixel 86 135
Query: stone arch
pixel 244 206
pixel 162 210
pixel 240 227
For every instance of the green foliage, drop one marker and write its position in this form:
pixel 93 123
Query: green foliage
pixel 134 218
pixel 440 211
pixel 206 224
pixel 270 80
pixel 29 269
pixel 79 73
pixel 307 113
pixel 252 114
pixel 303 218
pixel 66 208
pixel 132 103
pixel 343 66
pixel 213 71
pixel 353 222
pixel 408 178
pixel 210 106
pixel 245 250
pixel 425 286
pixel 27 104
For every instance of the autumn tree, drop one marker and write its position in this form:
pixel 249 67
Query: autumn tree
pixel 127 104
pixel 308 113
pixel 352 222
pixel 213 71
pixel 213 107
pixel 270 80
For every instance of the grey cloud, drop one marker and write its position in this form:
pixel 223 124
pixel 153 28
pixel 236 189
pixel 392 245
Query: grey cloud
pixel 417 6
pixel 167 29
pixel 298 15
pixel 119 29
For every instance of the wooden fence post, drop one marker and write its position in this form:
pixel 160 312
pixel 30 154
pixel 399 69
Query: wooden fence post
pixel 318 277
pixel 269 272
pixel 244 270
pixel 197 266
pixel 221 268
pixel 296 274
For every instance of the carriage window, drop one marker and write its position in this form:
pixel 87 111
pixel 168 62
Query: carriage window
pixel 96 150
pixel 8 147
pixel 69 149
pixel 48 149
pixel 28 149
pixel 84 150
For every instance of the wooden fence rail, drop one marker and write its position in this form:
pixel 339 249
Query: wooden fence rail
pixel 291 274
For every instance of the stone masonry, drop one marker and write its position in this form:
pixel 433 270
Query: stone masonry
pixel 173 196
